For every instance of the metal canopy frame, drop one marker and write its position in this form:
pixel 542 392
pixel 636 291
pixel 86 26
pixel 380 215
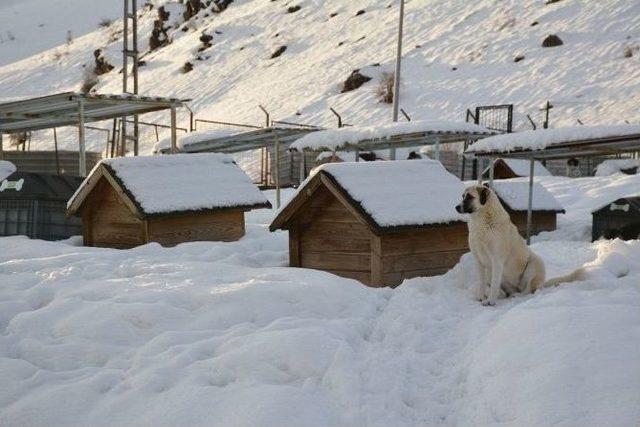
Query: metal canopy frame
pixel 77 109
pixel 403 140
pixel 565 150
pixel 562 150
pixel 251 140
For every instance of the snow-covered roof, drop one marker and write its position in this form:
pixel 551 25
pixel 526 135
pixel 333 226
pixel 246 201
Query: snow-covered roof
pixel 611 166
pixel 515 194
pixel 521 167
pixel 6 169
pixel 543 138
pixel 391 194
pixel 182 183
pixel 332 139
pixel 187 139
pixel 628 196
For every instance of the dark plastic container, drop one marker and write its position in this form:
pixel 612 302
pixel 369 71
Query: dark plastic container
pixel 620 218
pixel 34 205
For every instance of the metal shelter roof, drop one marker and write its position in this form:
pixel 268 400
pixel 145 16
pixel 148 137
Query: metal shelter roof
pixel 63 109
pixel 244 141
pixel 570 147
pixel 408 139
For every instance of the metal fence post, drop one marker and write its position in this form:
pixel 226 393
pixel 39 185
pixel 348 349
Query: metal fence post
pixel 530 205
pixel 82 161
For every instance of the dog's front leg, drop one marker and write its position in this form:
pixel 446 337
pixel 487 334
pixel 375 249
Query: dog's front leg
pixel 482 283
pixel 497 268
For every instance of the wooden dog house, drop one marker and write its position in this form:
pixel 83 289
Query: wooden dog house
pixel 377 222
pixel 619 218
pixel 129 201
pixel 515 168
pixel 514 196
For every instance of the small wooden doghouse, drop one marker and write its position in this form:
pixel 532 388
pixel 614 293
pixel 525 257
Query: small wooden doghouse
pixel 617 219
pixel 129 201
pixel 514 196
pixel 377 222
pixel 515 168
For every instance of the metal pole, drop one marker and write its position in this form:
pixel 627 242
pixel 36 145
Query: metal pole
pixel 277 150
pixel 530 205
pixel 123 136
pixel 82 161
pixel 125 46
pixel 396 76
pixel 55 146
pixel 302 167
pixel 174 136
pixel 437 155
pixel 1 147
pixel 492 163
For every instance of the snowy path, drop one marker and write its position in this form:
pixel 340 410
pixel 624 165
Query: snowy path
pixel 221 334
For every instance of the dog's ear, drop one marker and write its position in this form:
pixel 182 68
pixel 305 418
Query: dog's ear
pixel 484 195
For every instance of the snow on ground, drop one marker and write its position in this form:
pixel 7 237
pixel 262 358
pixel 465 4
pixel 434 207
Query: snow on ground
pixel 221 334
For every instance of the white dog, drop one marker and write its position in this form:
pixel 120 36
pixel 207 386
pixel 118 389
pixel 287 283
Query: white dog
pixel 506 263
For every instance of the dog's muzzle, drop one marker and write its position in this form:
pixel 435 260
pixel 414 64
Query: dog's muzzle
pixel 459 208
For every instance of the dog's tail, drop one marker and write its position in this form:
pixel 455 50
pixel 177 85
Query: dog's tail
pixel 575 276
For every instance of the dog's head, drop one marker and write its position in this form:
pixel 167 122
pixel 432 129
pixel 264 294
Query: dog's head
pixel 474 199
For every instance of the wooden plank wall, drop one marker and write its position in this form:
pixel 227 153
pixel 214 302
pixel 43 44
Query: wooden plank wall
pixel 225 226
pixel 422 252
pixel 541 221
pixel 109 222
pixel 333 240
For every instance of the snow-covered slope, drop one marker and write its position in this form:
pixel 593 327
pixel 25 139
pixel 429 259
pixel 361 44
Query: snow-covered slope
pixel 457 54
pixel 223 334
pixel 28 27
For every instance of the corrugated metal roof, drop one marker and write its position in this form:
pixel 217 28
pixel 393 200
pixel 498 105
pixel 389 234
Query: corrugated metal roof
pixel 62 109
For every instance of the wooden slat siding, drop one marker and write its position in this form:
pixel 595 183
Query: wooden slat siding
pixel 223 226
pixel 425 260
pixel 541 221
pixel 112 223
pixel 377 276
pixel 294 245
pixel 360 276
pixel 324 236
pixel 439 238
pixel 353 261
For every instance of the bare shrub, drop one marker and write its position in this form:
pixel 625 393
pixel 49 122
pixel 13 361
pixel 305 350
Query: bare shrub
pixel 89 81
pixel 384 90
pixel 187 67
pixel 552 40
pixel 105 23
pixel 19 138
pixel 279 51
pixel 630 50
pixel 354 81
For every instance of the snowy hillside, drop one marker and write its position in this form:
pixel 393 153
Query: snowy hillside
pixel 223 334
pixel 28 27
pixel 457 54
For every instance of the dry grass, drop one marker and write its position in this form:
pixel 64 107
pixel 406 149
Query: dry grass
pixel 384 90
